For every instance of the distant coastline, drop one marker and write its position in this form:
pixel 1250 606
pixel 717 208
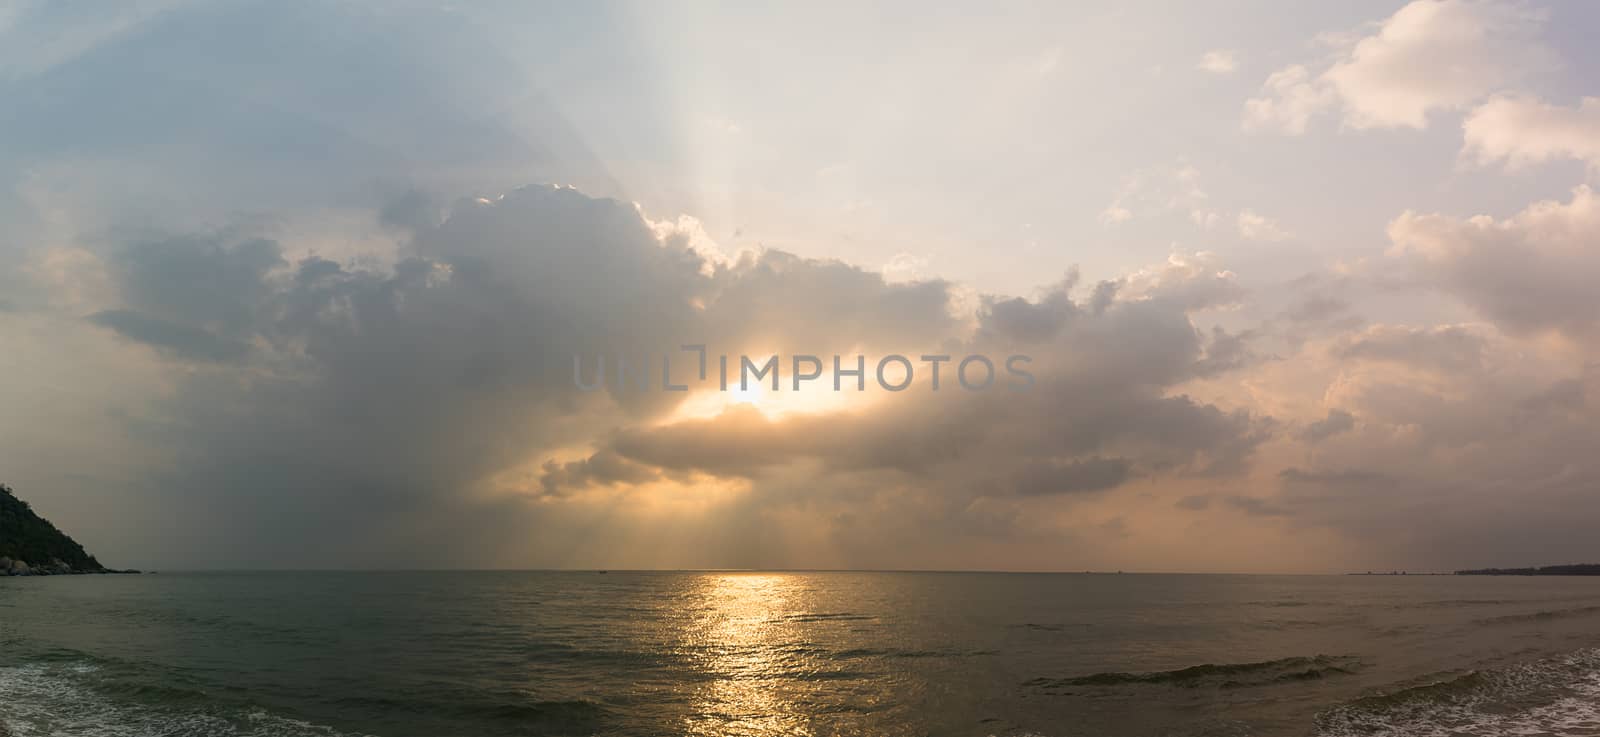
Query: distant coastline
pixel 1579 569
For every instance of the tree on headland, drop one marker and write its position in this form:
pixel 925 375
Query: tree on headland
pixel 29 543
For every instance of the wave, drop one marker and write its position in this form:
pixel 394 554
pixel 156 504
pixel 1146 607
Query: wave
pixel 56 695
pixel 1461 603
pixel 828 617
pixel 51 699
pixel 1221 675
pixel 1050 627
pixel 556 717
pixel 1288 603
pixel 1557 696
pixel 1453 603
pixel 1542 616
pixel 860 652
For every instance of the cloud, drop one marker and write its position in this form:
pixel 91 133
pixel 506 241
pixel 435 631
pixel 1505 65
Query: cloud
pixel 606 468
pixel 1161 191
pixel 1111 358
pixel 1115 214
pixel 1520 131
pixel 202 284
pixel 1431 55
pixel 186 341
pixel 1187 281
pixel 1317 308
pixel 368 408
pixel 1227 352
pixel 1291 97
pixel 1255 227
pixel 1337 421
pixel 1531 272
pixel 1471 427
pixel 1257 507
pixel 360 409
pixel 1177 191
pixel 1443 348
pixel 905 267
pixel 394 391
pixel 1078 476
pixel 1219 61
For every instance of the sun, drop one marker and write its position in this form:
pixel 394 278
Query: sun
pixel 753 394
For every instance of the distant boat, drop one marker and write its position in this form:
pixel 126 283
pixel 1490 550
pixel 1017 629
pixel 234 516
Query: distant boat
pixel 603 572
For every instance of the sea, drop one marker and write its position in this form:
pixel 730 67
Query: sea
pixel 759 654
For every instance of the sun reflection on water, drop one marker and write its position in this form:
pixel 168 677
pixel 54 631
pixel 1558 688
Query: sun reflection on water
pixel 744 642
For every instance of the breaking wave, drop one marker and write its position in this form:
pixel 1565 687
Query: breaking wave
pixel 93 697
pixel 1557 696
pixel 49 699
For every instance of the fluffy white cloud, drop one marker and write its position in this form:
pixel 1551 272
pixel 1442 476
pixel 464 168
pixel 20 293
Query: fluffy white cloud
pixel 1290 97
pixel 1256 227
pixel 1219 61
pixel 1430 55
pixel 905 267
pixel 1436 54
pixel 1520 131
pixel 1532 272
pixel 1115 214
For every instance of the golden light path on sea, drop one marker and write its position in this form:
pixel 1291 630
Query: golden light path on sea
pixel 740 632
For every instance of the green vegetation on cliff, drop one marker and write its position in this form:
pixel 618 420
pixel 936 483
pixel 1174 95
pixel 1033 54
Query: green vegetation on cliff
pixel 29 538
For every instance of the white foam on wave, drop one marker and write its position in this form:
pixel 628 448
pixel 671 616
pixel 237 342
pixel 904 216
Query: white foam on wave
pixel 52 701
pixel 1573 709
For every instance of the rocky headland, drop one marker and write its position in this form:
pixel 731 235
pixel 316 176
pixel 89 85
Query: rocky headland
pixel 31 546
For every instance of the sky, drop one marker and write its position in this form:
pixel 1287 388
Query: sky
pixel 1304 287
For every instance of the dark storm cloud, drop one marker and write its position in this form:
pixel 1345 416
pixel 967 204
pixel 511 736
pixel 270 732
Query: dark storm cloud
pixel 198 281
pixel 393 393
pixel 604 468
pixel 195 297
pixel 186 341
pixel 1098 415
pixel 373 401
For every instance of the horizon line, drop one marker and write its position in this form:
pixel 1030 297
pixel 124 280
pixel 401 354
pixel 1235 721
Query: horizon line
pixel 597 569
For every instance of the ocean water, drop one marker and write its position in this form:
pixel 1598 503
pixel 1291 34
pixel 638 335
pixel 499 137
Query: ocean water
pixel 832 653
